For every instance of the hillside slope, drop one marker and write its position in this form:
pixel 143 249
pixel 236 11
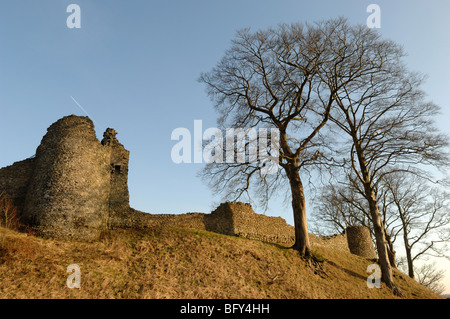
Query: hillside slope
pixel 180 263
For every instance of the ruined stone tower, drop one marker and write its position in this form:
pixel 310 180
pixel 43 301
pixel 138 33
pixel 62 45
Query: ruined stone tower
pixel 360 242
pixel 75 184
pixel 118 167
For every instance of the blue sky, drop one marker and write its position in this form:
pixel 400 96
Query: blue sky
pixel 133 65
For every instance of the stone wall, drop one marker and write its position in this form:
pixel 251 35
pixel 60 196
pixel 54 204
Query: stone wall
pixel 231 218
pixel 14 180
pixel 188 220
pixel 337 242
pixel 238 219
pixel 118 166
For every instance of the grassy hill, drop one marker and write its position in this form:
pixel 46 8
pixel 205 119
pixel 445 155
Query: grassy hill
pixel 181 263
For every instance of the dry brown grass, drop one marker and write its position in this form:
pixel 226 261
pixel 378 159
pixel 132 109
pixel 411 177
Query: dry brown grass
pixel 179 263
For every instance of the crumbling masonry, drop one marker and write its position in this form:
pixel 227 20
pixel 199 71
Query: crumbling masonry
pixel 76 186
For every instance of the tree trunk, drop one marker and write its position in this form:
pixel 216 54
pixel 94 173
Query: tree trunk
pixel 409 259
pixel 378 229
pixel 301 244
pixel 386 269
pixel 407 246
pixel 390 250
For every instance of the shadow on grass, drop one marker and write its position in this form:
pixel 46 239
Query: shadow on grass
pixel 280 246
pixel 351 273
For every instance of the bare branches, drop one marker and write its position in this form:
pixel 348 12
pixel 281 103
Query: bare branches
pixel 8 212
pixel 410 206
pixel 298 78
pixel 273 78
pixel 431 277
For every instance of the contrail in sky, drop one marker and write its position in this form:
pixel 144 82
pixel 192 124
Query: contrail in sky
pixel 80 106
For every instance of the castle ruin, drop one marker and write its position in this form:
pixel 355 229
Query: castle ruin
pixel 75 187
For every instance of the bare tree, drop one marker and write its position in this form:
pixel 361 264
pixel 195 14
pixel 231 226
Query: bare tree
pixel 411 209
pixel 343 204
pixel 289 78
pixel 426 274
pixel 297 77
pixel 423 214
pixel 431 277
pixel 274 79
pixel 385 116
pixel 337 207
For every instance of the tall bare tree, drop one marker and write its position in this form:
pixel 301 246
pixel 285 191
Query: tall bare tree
pixel 423 214
pixel 298 77
pixel 385 116
pixel 274 78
